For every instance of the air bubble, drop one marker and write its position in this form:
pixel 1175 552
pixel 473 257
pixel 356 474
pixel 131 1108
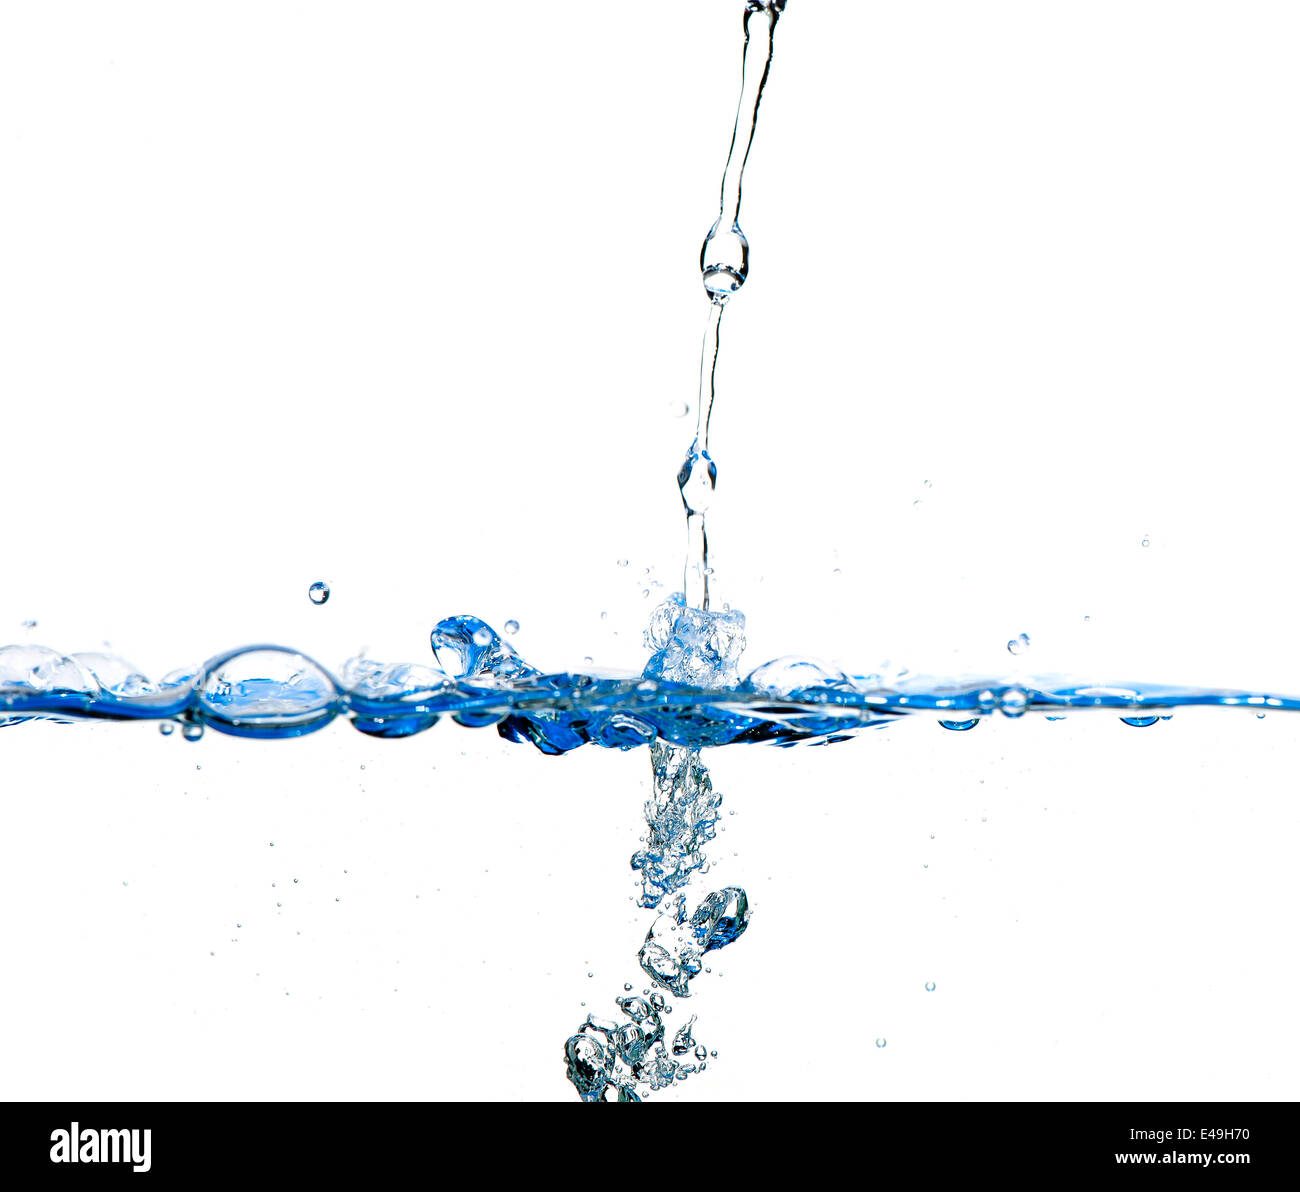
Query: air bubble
pixel 319 592
pixel 881 1041
pixel 1014 702
pixel 512 627
pixel 929 987
pixel 482 637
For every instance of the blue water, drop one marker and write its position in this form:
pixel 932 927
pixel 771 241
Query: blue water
pixel 476 679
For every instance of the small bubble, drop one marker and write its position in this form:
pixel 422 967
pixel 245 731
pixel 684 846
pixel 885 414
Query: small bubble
pixel 679 409
pixel 627 987
pixel 483 637
pixel 1018 645
pixel 166 728
pixel 929 987
pixel 192 732
pixel 622 562
pixel 1014 702
pixel 701 1053
pixel 319 592
pixel 881 1041
pixel 29 624
pixel 512 627
pixel 1146 540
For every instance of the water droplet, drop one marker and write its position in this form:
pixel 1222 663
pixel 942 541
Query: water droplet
pixel 724 260
pixel 1018 645
pixel 929 987
pixel 622 562
pixel 958 726
pixel 512 627
pixel 627 986
pixel 167 728
pixel 319 592
pixel 679 409
pixel 881 1041
pixel 1146 541
pixel 192 732
pixel 1139 721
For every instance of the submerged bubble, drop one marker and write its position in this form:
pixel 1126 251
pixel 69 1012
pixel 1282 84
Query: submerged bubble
pixel 319 592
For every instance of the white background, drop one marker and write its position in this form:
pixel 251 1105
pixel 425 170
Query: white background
pixel 403 297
